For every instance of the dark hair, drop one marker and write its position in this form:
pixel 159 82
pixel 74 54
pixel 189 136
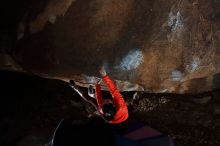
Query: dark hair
pixel 108 111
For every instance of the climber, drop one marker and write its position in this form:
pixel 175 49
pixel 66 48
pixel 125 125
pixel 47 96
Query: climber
pixel 114 110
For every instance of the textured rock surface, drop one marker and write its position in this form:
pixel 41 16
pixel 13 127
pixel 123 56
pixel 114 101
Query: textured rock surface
pixel 164 46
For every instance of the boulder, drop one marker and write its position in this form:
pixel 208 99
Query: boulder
pixel 157 46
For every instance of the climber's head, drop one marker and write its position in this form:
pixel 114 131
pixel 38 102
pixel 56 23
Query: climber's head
pixel 109 110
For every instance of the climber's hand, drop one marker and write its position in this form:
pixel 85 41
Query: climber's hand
pixel 102 71
pixel 72 83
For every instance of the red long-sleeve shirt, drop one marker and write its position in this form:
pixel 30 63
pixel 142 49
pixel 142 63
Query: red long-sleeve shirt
pixel 121 107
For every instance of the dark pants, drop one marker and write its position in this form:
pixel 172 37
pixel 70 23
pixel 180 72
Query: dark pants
pixel 83 132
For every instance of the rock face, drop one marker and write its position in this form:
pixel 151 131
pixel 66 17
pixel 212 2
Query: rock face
pixel 163 46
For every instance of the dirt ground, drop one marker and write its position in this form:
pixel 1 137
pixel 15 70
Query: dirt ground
pixel 31 108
